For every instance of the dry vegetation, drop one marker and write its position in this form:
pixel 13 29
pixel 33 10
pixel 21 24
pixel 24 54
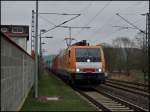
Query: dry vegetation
pixel 133 77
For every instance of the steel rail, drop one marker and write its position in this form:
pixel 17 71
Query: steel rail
pixel 100 106
pixel 145 94
pixel 133 83
pixel 123 103
pixel 128 104
pixel 108 105
pixel 128 85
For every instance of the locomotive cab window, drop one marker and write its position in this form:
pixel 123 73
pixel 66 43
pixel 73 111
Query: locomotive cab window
pixel 82 54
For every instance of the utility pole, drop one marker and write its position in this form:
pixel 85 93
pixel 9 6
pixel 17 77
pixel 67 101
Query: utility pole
pixel 40 58
pixel 36 54
pixel 69 40
pixel 148 41
pixel 32 33
pixel 147 32
pixel 36 46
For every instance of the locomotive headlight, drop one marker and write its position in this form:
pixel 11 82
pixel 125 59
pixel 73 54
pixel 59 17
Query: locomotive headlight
pixel 88 60
pixel 99 69
pixel 77 70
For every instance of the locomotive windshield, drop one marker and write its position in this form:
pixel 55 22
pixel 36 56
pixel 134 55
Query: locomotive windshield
pixel 82 54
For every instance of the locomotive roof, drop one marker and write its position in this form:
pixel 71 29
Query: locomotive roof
pixel 91 46
pixel 77 46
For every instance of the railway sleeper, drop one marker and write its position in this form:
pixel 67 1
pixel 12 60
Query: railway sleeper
pixel 126 103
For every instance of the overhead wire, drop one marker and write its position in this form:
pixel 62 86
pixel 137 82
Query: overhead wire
pixel 114 32
pixel 141 20
pixel 117 31
pixel 51 23
pixel 95 32
pixel 60 24
pixel 111 19
pixel 100 11
pixel 46 20
pixel 86 8
pixel 132 6
pixel 130 23
pixel 91 19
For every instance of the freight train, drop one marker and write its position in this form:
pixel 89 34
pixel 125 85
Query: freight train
pixel 81 63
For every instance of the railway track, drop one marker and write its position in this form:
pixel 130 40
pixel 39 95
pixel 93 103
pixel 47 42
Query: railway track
pixel 107 102
pixel 133 88
pixel 131 97
pixel 133 85
pixel 130 83
pixel 128 87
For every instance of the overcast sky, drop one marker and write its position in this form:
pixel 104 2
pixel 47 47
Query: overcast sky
pixel 99 15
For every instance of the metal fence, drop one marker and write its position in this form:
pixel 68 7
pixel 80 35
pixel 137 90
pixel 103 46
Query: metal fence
pixel 17 75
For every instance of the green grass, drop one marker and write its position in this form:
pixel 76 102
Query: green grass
pixel 51 86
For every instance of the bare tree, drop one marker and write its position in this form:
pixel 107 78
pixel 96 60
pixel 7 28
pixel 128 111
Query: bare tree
pixel 140 43
pixel 109 56
pixel 125 46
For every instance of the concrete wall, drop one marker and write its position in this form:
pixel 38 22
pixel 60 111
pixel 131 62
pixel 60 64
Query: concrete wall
pixel 22 41
pixel 17 75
